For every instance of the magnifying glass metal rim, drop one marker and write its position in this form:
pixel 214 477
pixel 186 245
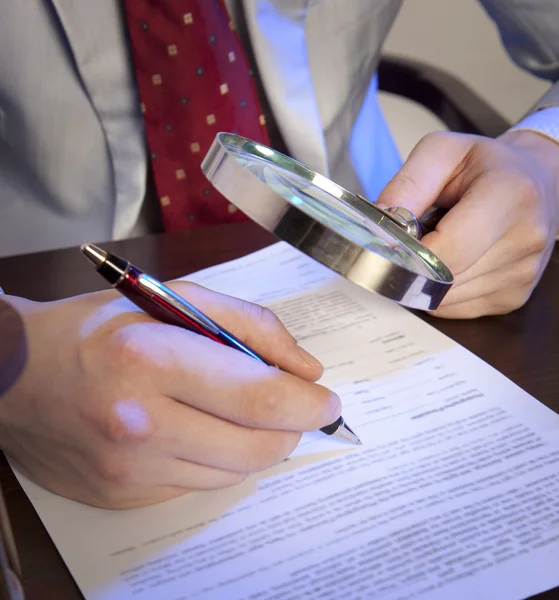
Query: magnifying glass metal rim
pixel 330 247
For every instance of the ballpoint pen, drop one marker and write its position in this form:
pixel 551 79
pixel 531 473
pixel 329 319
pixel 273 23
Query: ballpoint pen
pixel 161 303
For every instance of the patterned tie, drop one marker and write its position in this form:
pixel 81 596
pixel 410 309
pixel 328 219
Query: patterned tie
pixel 194 81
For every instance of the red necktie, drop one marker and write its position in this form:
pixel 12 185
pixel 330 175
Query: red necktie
pixel 194 81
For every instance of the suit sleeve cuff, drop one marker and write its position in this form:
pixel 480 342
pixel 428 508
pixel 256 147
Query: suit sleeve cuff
pixel 544 121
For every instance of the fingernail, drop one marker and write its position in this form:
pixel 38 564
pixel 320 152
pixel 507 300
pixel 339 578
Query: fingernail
pixel 309 358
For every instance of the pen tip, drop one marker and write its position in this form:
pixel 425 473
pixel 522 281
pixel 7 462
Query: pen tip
pixel 94 253
pixel 346 434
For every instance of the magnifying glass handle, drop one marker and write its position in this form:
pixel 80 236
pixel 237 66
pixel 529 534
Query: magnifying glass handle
pixel 430 218
pixel 414 226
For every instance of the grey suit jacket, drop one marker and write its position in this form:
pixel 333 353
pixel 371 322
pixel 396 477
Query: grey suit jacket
pixel 530 33
pixel 73 161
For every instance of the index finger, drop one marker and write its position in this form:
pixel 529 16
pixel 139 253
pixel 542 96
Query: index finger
pixel 429 168
pixel 231 385
pixel 256 326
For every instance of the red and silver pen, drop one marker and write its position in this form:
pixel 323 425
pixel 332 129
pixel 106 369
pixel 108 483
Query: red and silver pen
pixel 161 303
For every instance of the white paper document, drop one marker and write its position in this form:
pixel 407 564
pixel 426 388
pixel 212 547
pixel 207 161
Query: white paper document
pixel 453 495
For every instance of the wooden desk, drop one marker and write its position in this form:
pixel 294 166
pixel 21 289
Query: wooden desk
pixel 524 346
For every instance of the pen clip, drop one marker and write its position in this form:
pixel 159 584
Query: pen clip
pixel 152 286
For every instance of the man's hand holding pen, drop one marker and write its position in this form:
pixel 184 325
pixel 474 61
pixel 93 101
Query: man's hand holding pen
pixel 125 411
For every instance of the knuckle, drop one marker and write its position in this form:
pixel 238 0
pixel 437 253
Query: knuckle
pixel 125 422
pixel 127 347
pixel 527 189
pixel 438 138
pixel 539 238
pixel 272 406
pixel 260 407
pixel 528 272
pixel 112 470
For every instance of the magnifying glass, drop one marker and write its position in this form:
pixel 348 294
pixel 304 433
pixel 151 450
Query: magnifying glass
pixel 376 249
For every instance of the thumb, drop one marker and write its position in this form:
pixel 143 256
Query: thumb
pixel 430 167
pixel 256 326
